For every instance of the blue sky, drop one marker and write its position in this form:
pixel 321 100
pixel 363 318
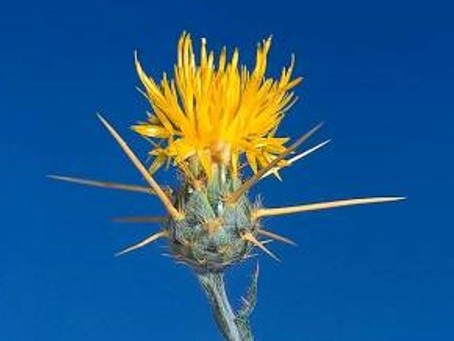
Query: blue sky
pixel 380 75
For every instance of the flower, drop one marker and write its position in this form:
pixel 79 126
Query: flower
pixel 205 120
pixel 214 113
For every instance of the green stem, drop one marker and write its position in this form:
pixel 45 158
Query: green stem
pixel 227 321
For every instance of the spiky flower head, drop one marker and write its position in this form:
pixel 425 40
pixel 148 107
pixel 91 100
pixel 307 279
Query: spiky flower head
pixel 213 112
pixel 204 121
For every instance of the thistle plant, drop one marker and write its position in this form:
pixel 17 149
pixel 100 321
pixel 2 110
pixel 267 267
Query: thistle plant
pixel 212 122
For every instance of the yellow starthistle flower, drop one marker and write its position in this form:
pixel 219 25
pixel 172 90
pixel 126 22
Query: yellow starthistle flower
pixel 214 111
pixel 206 120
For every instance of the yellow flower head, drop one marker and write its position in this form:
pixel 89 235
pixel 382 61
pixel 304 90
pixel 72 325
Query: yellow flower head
pixel 212 113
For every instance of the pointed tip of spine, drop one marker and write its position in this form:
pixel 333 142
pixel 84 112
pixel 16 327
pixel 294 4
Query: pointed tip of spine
pixel 399 198
pixel 143 243
pixel 277 237
pixel 295 158
pixel 389 199
pixel 250 238
pixel 102 119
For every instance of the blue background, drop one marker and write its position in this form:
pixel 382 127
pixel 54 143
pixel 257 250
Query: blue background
pixel 380 74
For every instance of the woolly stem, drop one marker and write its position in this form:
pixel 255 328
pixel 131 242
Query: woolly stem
pixel 214 287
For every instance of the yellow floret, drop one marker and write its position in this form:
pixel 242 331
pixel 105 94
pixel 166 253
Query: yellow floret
pixel 214 113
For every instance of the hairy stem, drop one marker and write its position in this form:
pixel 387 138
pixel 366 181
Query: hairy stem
pixel 227 321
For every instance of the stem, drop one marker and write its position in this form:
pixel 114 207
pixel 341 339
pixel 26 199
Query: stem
pixel 227 321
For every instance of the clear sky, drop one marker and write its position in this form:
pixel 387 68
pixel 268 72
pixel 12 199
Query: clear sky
pixel 380 75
